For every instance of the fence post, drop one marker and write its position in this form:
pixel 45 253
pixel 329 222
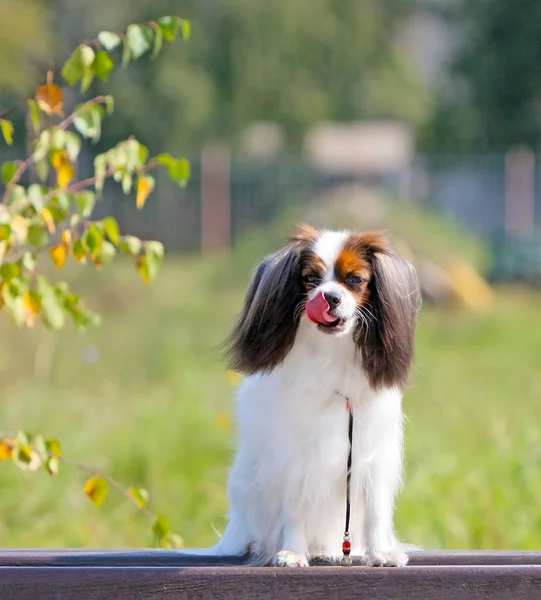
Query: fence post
pixel 519 192
pixel 215 199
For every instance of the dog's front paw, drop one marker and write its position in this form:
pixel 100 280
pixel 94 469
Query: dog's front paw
pixel 391 558
pixel 287 558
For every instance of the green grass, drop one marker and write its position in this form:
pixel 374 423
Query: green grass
pixel 155 411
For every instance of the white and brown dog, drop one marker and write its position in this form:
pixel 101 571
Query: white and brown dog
pixel 330 316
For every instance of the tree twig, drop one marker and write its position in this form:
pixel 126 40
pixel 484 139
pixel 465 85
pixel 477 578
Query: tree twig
pixel 62 125
pixel 8 111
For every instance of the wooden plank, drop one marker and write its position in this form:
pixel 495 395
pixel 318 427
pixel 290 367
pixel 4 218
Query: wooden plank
pixel 173 558
pixel 227 583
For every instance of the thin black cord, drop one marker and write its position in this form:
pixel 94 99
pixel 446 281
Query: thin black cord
pixel 348 478
pixel 346 544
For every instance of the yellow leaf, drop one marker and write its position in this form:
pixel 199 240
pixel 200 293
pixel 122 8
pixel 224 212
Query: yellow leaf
pixel 96 489
pixel 7 131
pixel 50 99
pixel 1 297
pixel 48 218
pixel 143 191
pixel 32 305
pixel 65 175
pixel 65 171
pixel 142 267
pixel 6 450
pixel 59 255
pixel 66 237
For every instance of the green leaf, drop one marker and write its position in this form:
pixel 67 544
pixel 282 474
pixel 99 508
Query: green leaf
pixel 155 248
pixel 53 446
pixel 158 42
pixel 85 202
pixel 148 266
pixel 28 261
pixel 169 27
pixel 9 271
pixel 139 40
pixel 103 64
pixel 79 66
pixel 100 168
pixel 12 295
pixel 82 317
pixel 109 40
pixel 186 29
pixel 88 122
pixel 23 456
pixel 8 171
pixel 52 465
pixel 79 251
pixel 106 254
pixel 87 57
pixel 161 528
pixel 35 196
pixel 42 168
pixel 179 169
pixel 127 181
pixel 126 54
pixel 37 236
pixel 42 145
pixel 73 145
pixel 35 113
pixel 96 488
pixel 51 305
pixel 7 131
pixel 111 229
pixel 140 495
pixel 58 139
pixel 143 154
pixel 109 104
pixel 130 245
pixel 93 238
pixel 5 231
pixel 73 70
pixel 17 197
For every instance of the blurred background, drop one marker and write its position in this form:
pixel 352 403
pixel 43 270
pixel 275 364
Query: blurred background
pixel 422 117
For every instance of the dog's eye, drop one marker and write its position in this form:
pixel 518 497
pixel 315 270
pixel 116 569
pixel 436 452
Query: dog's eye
pixel 311 279
pixel 354 280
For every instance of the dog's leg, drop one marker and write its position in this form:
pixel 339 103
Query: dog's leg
pixel 294 552
pixel 381 483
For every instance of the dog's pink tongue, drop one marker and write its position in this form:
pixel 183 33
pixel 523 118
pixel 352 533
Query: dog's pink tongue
pixel 317 310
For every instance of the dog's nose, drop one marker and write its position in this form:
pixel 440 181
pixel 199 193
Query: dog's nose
pixel 332 298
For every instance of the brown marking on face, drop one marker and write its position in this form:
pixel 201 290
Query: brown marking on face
pixel 350 265
pixel 313 269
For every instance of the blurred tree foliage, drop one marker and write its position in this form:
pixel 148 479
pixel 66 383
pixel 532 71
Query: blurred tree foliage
pixel 496 75
pixel 25 38
pixel 291 62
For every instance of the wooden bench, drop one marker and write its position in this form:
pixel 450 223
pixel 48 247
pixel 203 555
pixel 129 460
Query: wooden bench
pixel 157 574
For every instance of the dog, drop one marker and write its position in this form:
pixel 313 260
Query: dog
pixel 328 323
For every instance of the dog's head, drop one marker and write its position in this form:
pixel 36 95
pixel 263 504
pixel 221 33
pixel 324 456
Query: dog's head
pixel 344 283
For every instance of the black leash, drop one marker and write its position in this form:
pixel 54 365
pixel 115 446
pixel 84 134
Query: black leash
pixel 346 544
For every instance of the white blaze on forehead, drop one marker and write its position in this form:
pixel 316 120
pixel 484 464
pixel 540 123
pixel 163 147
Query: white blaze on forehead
pixel 328 247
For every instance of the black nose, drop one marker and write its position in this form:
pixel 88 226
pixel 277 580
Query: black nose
pixel 332 298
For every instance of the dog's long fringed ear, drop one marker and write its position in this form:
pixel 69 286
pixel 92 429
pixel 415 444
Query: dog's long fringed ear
pixel 266 328
pixel 388 340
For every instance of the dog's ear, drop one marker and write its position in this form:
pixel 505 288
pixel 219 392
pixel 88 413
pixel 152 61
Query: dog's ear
pixel 267 326
pixel 386 339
